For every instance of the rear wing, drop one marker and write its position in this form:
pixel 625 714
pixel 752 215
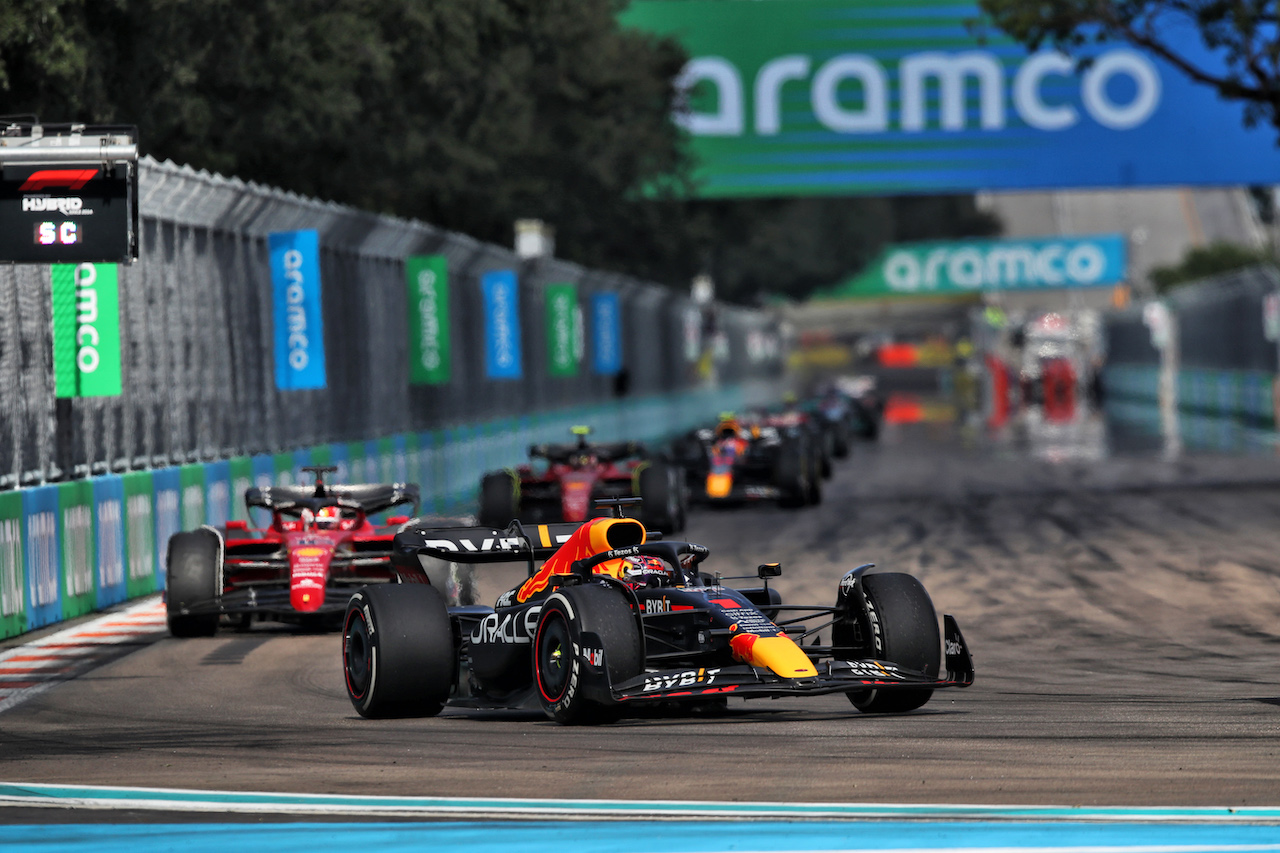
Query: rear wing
pixel 518 543
pixel 370 499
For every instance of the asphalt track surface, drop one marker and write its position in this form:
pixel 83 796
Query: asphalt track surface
pixel 1124 616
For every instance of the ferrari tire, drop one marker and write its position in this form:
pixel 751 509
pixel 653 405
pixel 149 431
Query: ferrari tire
pixel 903 629
pixel 558 668
pixel 192 579
pixel 499 499
pixel 660 489
pixel 397 651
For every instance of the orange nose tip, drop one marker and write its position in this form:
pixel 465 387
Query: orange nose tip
pixel 719 485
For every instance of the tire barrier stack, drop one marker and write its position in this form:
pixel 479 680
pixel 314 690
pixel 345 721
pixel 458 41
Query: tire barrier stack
pixel 1227 363
pixel 92 487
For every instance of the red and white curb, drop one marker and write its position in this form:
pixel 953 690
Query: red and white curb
pixel 32 668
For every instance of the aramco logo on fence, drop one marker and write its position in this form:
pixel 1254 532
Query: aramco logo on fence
pixel 977 265
pixel 299 329
pixel 564 330
pixel 427 278
pixel 502 325
pixel 86 330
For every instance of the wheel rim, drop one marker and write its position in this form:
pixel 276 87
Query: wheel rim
pixel 554 657
pixel 357 653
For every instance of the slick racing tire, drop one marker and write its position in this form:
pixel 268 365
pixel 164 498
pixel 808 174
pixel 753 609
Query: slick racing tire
pixel 791 474
pixel 840 439
pixel 193 573
pixel 660 488
pixel 559 671
pixel 903 629
pixel 499 499
pixel 397 651
pixel 816 465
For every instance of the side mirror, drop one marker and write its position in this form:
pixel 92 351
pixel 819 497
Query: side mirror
pixel 769 570
pixel 237 525
pixel 396 519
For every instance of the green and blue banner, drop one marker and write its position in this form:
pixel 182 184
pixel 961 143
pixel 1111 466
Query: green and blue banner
pixel 299 328
pixel 109 539
pixel 43 555
pixel 948 268
pixel 839 97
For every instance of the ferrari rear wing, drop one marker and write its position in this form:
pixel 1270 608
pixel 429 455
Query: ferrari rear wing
pixel 518 543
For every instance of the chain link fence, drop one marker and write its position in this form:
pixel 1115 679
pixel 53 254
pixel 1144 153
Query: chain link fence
pixel 197 339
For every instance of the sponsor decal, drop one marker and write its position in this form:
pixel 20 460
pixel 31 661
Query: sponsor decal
pixel 657 605
pixel 595 657
pixel 510 628
pixel 77 527
pixel 66 205
pixel 726 603
pixel 141 539
pixel 564 330
pixel 11 600
pixel 873 669
pixel 501 543
pixel 427 278
pixel 952 647
pixel 69 179
pixel 502 325
pixel 848 582
pixel 506 599
pixel 688 678
pixel 310 552
pixel 607 327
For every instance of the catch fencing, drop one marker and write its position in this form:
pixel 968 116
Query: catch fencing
pixel 91 488
pixel 1227 358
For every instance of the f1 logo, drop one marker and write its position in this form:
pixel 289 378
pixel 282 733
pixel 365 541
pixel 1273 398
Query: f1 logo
pixel 72 179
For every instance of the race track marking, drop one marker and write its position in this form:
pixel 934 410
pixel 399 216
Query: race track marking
pixel 32 668
pixel 188 800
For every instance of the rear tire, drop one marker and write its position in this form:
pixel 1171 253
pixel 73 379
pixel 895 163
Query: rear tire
pixel 499 499
pixel 903 629
pixel 192 579
pixel 791 474
pixel 660 488
pixel 397 651
pixel 558 673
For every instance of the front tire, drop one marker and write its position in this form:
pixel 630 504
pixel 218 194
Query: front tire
pixel 499 499
pixel 559 672
pixel 193 573
pixel 903 629
pixel 397 651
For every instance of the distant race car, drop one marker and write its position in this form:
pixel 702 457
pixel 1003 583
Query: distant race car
pixel 320 547
pixel 612 623
pixel 579 473
pixel 738 461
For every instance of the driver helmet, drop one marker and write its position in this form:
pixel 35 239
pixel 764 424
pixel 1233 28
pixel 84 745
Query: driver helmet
pixel 727 428
pixel 328 517
pixel 640 566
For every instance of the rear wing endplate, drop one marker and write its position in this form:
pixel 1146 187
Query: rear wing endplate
pixel 518 543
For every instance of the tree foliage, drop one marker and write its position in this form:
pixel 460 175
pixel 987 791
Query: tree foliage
pixel 468 114
pixel 1207 261
pixel 1243 34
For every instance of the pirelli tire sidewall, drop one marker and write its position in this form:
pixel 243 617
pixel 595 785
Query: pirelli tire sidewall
pixel 193 580
pixel 398 654
pixel 576 625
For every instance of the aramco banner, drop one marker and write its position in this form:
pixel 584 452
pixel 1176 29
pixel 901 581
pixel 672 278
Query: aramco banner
pixel 86 330
pixel 502 325
pixel 943 269
pixel 564 330
pixel 607 328
pixel 299 329
pixel 427 277
pixel 879 97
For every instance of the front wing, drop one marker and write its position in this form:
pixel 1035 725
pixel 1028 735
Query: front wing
pixel 834 676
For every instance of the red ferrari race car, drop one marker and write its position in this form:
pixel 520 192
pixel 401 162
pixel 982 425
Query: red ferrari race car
pixel 320 548
pixel 575 475
pixel 613 623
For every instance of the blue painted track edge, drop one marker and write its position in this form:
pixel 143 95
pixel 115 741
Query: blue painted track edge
pixel 189 800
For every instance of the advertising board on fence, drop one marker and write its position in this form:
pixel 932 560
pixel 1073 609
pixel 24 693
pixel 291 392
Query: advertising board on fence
pixel 13 607
pixel 607 333
pixel 427 279
pixel 86 330
pixel 970 266
pixel 502 325
pixel 299 328
pixel 563 330
pixel 109 539
pixel 880 96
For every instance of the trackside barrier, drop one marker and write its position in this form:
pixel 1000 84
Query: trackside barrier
pixel 69 549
